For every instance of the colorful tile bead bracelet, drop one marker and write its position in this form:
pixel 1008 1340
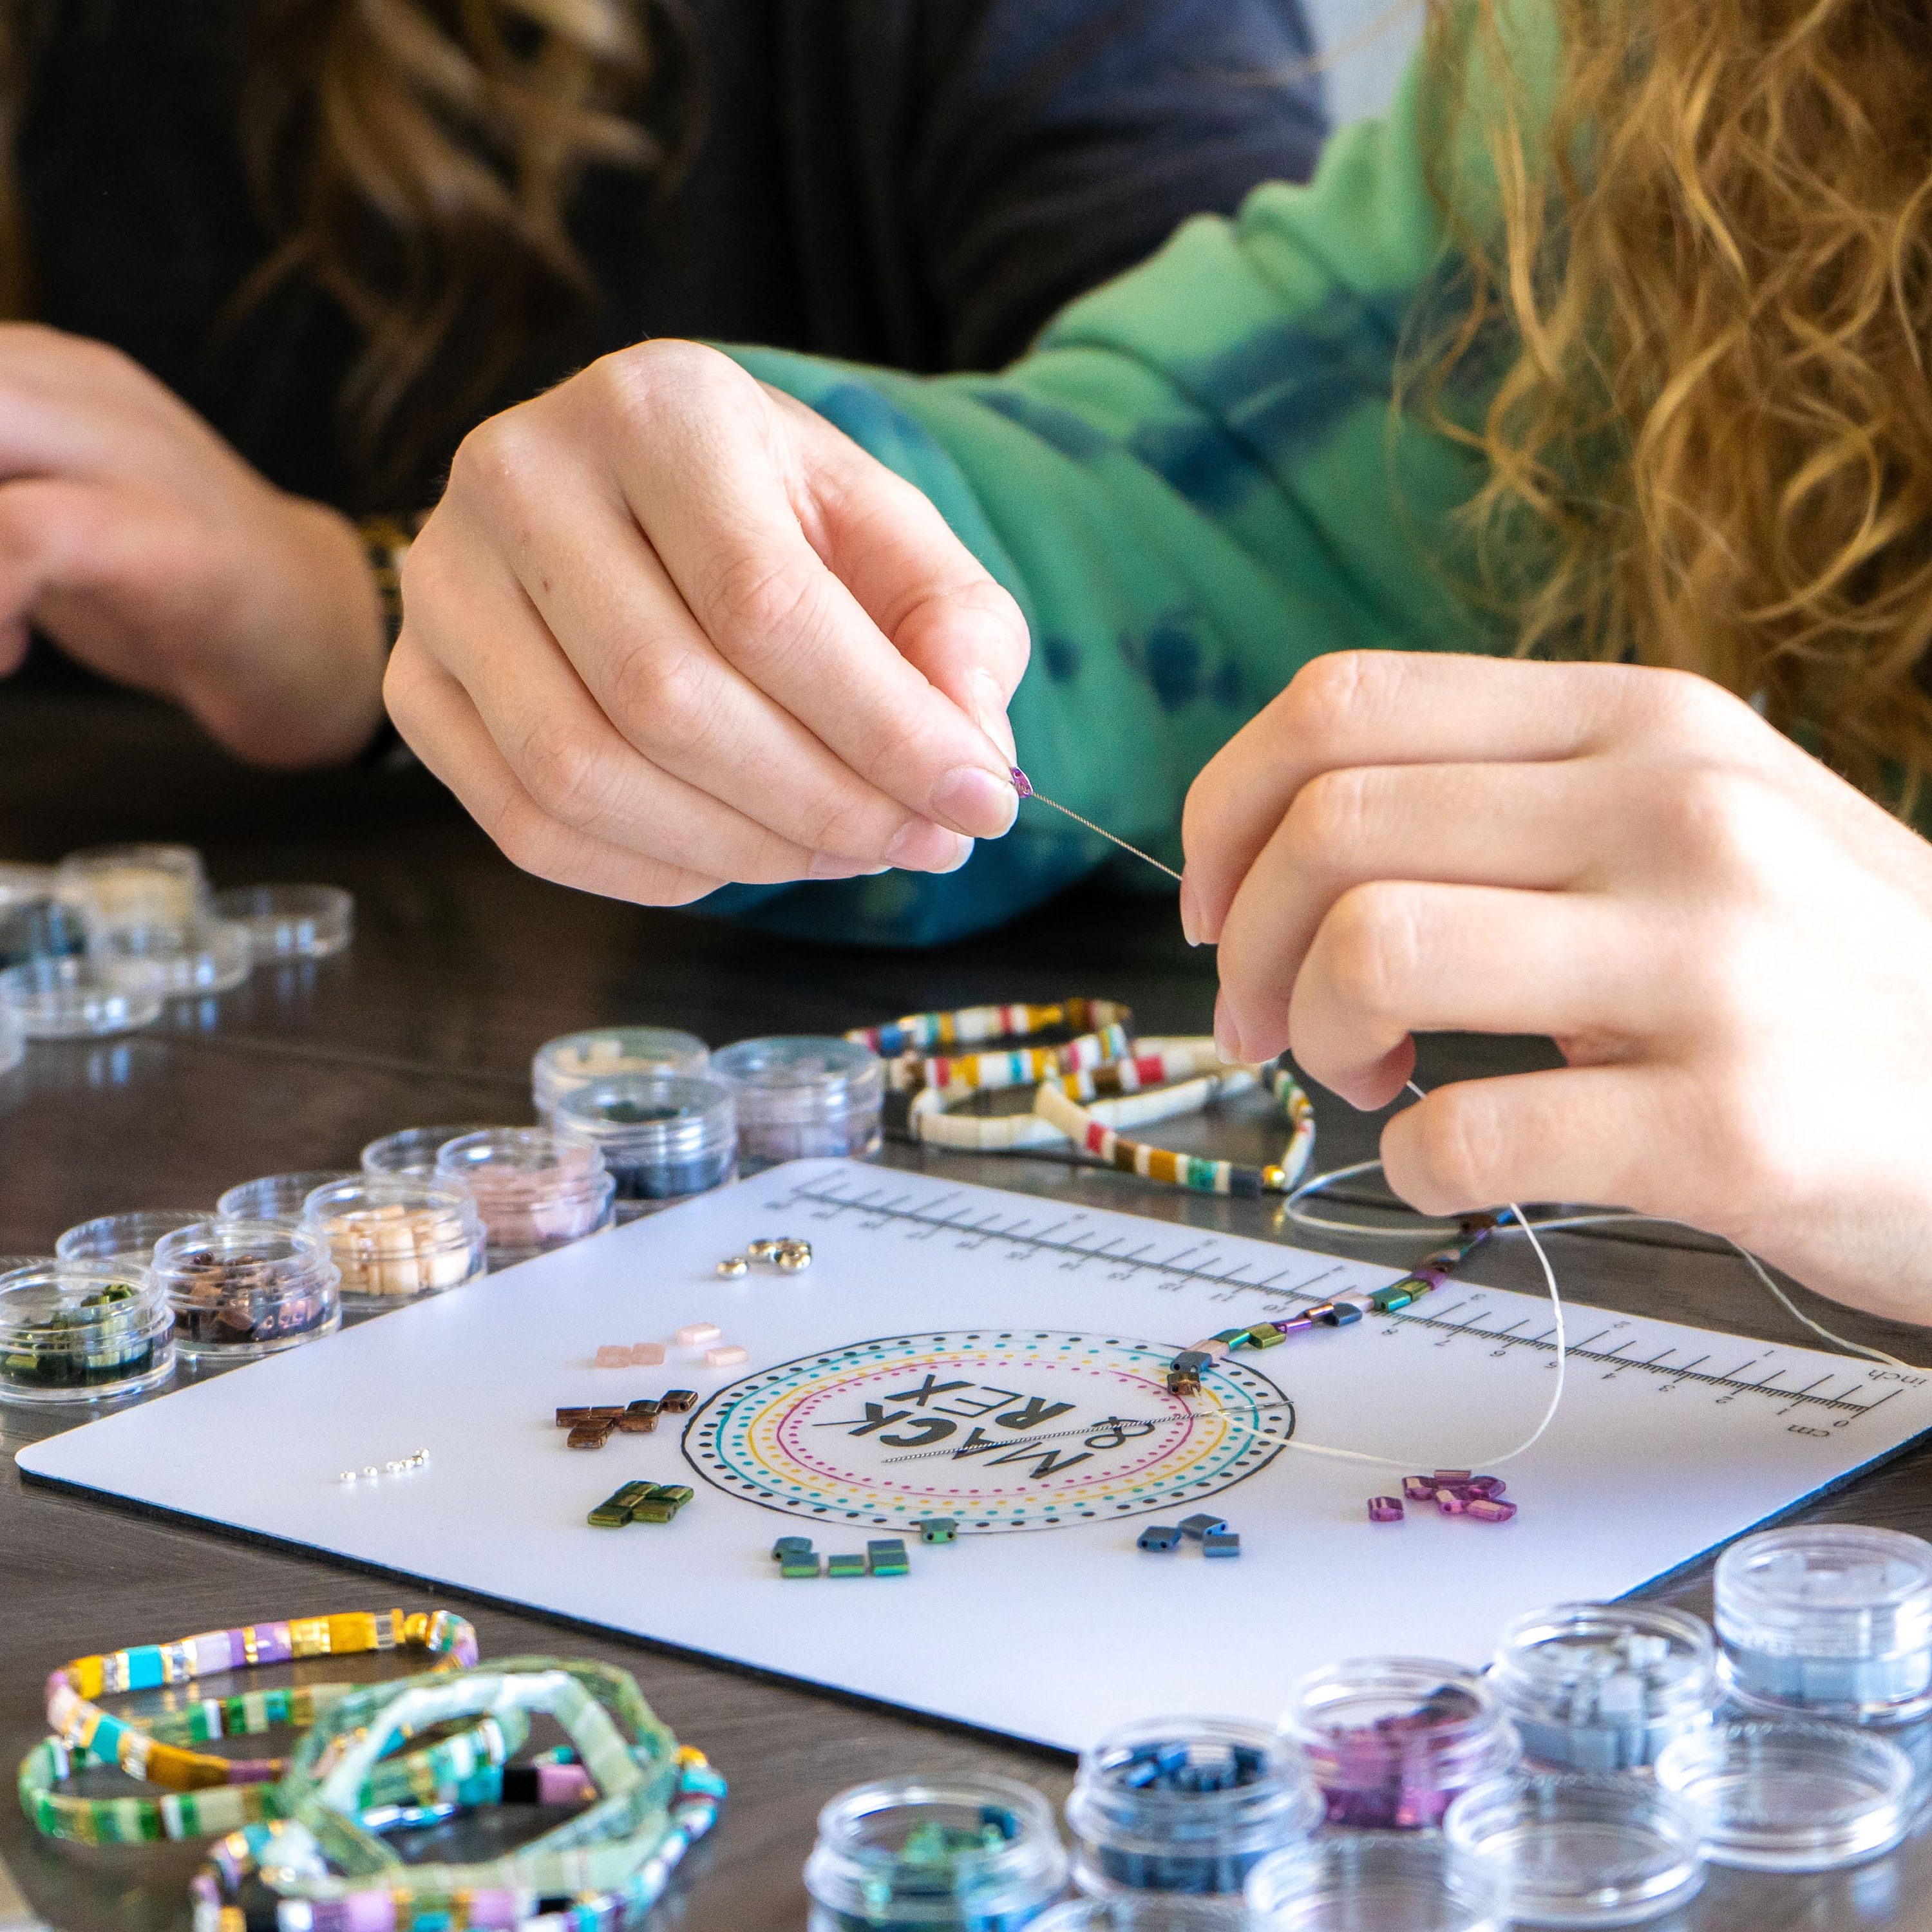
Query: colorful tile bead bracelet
pixel 210 1793
pixel 321 1869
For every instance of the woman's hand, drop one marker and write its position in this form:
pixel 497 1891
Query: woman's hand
pixel 668 628
pixel 138 541
pixel 1731 946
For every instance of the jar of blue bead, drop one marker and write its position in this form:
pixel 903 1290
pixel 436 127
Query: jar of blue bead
pixel 1605 1687
pixel 1830 1620
pixel 663 1137
pixel 914 1854
pixel 1186 1804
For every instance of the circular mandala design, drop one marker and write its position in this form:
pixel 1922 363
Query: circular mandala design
pixel 1000 1428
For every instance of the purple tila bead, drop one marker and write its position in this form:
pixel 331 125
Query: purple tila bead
pixel 1419 1489
pixel 1385 1509
pixel 1450 1502
pixel 1021 783
pixel 1490 1509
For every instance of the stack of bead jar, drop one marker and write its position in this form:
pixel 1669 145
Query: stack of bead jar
pixel 71 1331
pixel 563 1065
pixel 1186 1804
pixel 914 1854
pixel 1392 1740
pixel 394 1239
pixel 534 1190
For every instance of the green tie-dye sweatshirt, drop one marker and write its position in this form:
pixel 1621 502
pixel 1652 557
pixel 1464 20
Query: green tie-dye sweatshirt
pixel 1193 484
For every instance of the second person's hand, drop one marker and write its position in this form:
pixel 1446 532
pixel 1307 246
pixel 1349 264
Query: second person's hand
pixel 668 628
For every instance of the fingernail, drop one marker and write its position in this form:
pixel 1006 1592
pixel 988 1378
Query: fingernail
pixel 970 798
pixel 1227 1040
pixel 824 865
pixel 1190 918
pixel 920 846
pixel 989 712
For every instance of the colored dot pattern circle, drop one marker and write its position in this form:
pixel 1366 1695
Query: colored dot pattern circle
pixel 999 1428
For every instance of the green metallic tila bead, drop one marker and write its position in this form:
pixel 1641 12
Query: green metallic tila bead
pixel 1386 1300
pixel 1264 1335
pixel 844 1566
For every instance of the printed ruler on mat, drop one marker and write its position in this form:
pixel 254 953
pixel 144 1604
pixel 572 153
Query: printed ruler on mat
pixel 998 1359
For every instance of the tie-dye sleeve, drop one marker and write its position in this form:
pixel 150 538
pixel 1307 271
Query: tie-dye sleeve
pixel 1193 484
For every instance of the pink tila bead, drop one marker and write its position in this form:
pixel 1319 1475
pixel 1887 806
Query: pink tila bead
pixel 1489 1509
pixel 1385 1509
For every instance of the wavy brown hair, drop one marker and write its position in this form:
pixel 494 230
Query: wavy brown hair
pixel 1710 443
pixel 416 161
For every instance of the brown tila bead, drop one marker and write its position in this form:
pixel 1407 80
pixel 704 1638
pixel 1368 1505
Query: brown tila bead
pixel 588 1435
pixel 567 1418
pixel 636 1423
pixel 678 1400
pixel 645 1405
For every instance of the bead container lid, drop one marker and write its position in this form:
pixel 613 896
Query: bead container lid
pixel 1373 1882
pixel 1610 1677
pixel 41 928
pixel 244 1288
pixel 71 998
pixel 535 1190
pixel 411 1154
pixel 1148 1912
pixel 1778 1795
pixel 20 883
pixel 393 1238
pixel 1577 1849
pixel 800 1095
pixel 12 1035
pixel 561 1065
pixel 1187 1804
pixel 909 1852
pixel 195 955
pixel 130 1238
pixel 277 1197
pixel 73 1332
pixel 290 922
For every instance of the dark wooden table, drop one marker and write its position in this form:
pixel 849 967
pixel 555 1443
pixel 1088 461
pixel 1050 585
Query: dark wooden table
pixel 461 968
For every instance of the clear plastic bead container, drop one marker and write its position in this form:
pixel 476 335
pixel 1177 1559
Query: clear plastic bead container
pixel 290 922
pixel 20 883
pixel 70 1332
pixel 573 1059
pixel 199 955
pixel 72 998
pixel 41 928
pixel 663 1137
pixel 1604 1686
pixel 1577 1848
pixel 945 1855
pixel 242 1289
pixel 411 1154
pixel 132 885
pixel 1186 1804
pixel 12 1035
pixel 800 1095
pixel 394 1239
pixel 129 1239
pixel 1372 1882
pixel 1828 1620
pixel 535 1190
pixel 1780 1795
pixel 277 1197
pixel 1392 1740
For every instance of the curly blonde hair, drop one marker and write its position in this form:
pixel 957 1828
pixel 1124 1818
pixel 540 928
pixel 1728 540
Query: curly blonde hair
pixel 1710 443
pixel 416 161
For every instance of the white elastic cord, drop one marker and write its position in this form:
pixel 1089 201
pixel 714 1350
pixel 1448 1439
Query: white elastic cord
pixel 1797 1314
pixel 1555 1401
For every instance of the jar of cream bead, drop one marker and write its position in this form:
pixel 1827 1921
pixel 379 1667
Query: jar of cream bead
pixel 1828 1620
pixel 1392 1740
pixel 943 1855
pixel 1605 1687
pixel 393 1240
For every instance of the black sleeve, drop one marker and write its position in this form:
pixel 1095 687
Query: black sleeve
pixel 1060 142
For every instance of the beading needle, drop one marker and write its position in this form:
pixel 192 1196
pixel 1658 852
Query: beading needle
pixel 1024 787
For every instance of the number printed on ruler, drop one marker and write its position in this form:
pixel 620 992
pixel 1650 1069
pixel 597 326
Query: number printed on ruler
pixel 1232 1279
